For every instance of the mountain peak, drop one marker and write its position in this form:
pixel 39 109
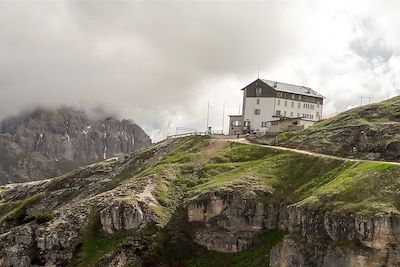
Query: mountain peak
pixel 48 142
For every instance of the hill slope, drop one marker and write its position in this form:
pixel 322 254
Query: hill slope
pixel 202 202
pixel 368 132
pixel 46 143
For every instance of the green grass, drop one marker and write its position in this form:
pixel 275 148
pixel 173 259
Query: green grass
pixel 188 149
pixel 340 134
pixel 283 137
pixel 16 213
pixel 190 172
pixel 41 217
pixel 237 152
pixel 361 187
pixel 174 246
pixel 94 243
pixel 290 177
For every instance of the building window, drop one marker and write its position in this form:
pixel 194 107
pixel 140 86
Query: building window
pixel 278 113
pixel 298 115
pixel 235 123
pixel 280 94
pixel 284 113
pixel 263 124
pixel 258 91
pixel 285 103
pixel 278 102
pixel 257 111
pixel 298 105
pixel 291 114
pixel 299 97
pixel 258 101
pixel 293 96
pixel 247 123
pixel 292 104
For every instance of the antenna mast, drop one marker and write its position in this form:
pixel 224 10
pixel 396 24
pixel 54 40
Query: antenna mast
pixel 223 117
pixel 208 113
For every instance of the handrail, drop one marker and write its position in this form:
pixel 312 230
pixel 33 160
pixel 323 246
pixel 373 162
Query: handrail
pixel 186 134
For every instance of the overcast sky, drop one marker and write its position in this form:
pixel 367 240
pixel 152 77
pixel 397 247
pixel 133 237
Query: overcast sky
pixel 159 63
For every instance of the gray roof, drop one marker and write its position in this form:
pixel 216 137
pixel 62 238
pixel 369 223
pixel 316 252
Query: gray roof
pixel 291 88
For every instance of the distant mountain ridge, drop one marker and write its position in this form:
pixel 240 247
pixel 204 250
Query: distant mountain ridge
pixel 49 142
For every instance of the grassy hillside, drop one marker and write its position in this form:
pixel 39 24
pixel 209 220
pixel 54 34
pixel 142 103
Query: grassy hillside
pixel 370 132
pixel 193 167
pixel 290 176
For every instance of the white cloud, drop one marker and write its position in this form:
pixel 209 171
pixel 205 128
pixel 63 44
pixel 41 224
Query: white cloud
pixel 161 62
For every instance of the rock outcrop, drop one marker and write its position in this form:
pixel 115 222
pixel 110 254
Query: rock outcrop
pixel 48 143
pixel 316 237
pixel 367 132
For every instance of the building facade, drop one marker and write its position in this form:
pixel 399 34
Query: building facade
pixel 265 101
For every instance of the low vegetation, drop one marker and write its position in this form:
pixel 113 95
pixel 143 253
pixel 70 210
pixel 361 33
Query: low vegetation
pixel 368 132
pixel 15 213
pixel 197 166
pixel 41 217
pixel 94 243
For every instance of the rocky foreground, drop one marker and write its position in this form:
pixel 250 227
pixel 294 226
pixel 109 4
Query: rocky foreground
pixel 49 142
pixel 202 202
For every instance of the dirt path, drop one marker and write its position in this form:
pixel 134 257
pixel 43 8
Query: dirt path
pixel 245 141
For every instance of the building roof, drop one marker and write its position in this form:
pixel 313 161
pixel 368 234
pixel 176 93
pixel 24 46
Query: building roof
pixel 281 119
pixel 291 88
pixel 235 115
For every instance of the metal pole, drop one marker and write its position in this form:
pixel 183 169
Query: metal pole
pixel 223 117
pixel 208 114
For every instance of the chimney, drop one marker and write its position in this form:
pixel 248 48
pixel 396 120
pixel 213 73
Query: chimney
pixel 275 84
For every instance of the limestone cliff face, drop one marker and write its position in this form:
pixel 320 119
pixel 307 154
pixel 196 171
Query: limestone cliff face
pixel 78 201
pixel 47 143
pixel 315 237
pixel 233 220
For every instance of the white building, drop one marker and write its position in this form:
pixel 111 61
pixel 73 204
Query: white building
pixel 265 101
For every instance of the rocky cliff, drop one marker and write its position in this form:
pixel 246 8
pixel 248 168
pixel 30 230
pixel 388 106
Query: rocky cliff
pixel 47 143
pixel 369 132
pixel 201 202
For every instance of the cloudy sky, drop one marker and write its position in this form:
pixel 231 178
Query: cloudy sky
pixel 160 62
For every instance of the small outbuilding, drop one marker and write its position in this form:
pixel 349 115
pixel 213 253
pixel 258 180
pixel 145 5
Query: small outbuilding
pixel 235 124
pixel 289 124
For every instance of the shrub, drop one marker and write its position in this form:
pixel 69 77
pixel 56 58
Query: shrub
pixel 42 217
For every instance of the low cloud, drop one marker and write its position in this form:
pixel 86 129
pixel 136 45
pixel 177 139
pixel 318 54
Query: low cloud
pixel 160 63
